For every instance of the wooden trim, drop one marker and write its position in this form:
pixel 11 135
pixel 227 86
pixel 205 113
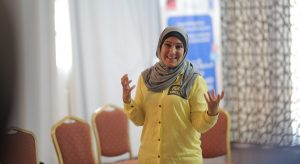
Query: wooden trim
pixel 228 146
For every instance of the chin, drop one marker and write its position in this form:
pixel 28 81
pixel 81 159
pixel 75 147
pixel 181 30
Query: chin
pixel 172 65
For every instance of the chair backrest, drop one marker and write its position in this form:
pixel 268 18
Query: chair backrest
pixel 73 141
pixel 111 129
pixel 20 147
pixel 216 141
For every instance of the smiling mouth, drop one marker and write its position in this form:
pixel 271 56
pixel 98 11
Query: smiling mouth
pixel 172 58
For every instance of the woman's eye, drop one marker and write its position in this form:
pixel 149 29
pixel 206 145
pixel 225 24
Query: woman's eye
pixel 179 47
pixel 167 45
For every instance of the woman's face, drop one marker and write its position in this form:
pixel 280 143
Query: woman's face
pixel 172 51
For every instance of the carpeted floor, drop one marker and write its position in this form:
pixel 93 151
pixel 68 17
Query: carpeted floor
pixel 257 154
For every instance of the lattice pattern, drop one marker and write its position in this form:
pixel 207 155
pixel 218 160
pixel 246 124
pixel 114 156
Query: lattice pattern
pixel 256 49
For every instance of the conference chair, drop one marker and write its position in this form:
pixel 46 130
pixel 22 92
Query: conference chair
pixel 72 140
pixel 20 147
pixel 111 128
pixel 216 141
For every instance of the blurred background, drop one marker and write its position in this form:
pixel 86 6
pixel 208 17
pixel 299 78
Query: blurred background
pixel 72 54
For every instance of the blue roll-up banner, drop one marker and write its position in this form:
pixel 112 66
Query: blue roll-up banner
pixel 201 19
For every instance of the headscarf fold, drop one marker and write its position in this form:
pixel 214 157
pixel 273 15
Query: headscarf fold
pixel 159 76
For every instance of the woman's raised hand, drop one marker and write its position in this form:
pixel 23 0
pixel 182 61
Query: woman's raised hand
pixel 213 102
pixel 126 88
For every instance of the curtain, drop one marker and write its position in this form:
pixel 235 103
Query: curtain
pixel 295 108
pixel 256 49
pixel 36 106
pixel 110 38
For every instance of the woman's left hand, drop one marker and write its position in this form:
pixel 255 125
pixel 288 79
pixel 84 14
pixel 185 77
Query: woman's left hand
pixel 213 102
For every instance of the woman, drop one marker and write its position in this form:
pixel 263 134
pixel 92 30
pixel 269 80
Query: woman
pixel 172 104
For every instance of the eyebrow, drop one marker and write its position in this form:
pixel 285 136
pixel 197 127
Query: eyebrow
pixel 173 43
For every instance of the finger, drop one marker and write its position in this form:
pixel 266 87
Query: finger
pixel 209 96
pixel 222 94
pixel 213 94
pixel 123 77
pixel 131 88
pixel 125 81
pixel 218 99
pixel 127 84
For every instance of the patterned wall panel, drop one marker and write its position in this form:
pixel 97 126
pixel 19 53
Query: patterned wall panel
pixel 256 49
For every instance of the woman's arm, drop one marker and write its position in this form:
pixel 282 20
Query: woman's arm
pixel 200 118
pixel 133 108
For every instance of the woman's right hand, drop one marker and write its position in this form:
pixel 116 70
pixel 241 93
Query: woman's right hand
pixel 126 88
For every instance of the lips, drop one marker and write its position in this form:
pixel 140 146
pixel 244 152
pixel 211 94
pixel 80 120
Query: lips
pixel 171 57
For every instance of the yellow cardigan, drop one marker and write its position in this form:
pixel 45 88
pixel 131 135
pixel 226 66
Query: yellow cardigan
pixel 172 124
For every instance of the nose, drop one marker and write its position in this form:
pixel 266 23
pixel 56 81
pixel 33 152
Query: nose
pixel 172 50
